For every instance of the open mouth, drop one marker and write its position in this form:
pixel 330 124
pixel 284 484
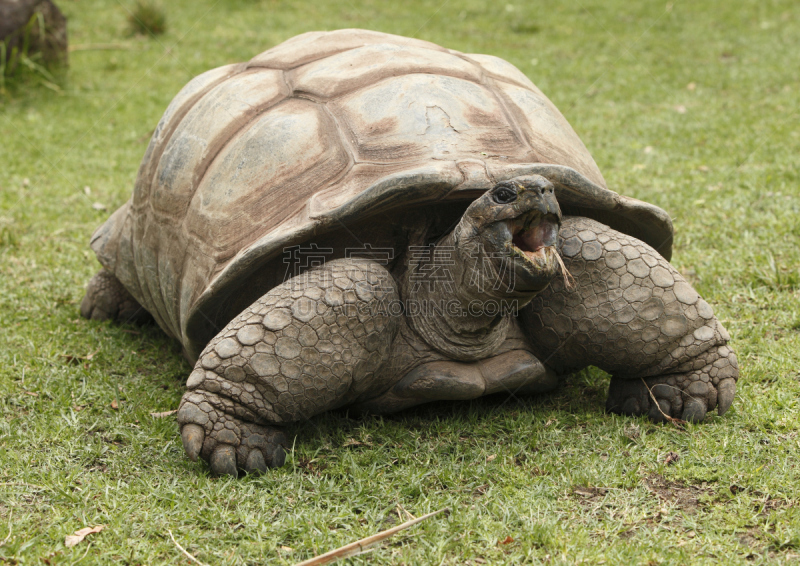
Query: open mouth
pixel 531 236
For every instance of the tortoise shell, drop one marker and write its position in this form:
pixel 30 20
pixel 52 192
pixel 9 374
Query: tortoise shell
pixel 326 128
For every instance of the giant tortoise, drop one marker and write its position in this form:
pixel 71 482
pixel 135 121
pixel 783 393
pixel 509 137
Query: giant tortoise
pixel 356 218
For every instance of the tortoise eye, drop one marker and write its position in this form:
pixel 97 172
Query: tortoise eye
pixel 504 195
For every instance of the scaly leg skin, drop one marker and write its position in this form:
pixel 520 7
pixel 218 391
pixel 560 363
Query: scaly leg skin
pixel 633 315
pixel 106 299
pixel 309 345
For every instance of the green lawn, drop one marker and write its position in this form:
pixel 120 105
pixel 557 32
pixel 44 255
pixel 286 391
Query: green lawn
pixel 694 106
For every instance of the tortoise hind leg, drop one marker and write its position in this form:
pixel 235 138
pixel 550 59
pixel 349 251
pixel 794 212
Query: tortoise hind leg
pixel 633 315
pixel 314 343
pixel 106 298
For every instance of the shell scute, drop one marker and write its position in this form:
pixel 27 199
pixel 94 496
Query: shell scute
pixel 316 45
pixel 548 133
pixel 399 185
pixel 364 66
pixel 179 106
pixel 442 117
pixel 501 69
pixel 201 134
pixel 264 175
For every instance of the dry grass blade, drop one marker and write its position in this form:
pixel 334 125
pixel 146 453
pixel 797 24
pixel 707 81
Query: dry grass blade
pixel 677 422
pixel 360 546
pixel 78 536
pixel 163 414
pixel 183 550
pixel 569 280
pixel 399 508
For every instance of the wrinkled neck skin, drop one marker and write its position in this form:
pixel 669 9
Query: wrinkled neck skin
pixel 456 298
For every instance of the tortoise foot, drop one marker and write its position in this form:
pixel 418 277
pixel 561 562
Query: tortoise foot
pixel 107 299
pixel 687 396
pixel 306 346
pixel 228 443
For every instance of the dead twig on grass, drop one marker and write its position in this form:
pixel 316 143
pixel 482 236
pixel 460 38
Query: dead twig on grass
pixel 362 545
pixel 183 550
pixel 677 422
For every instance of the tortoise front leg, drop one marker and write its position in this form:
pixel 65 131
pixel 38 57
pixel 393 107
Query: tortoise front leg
pixel 309 345
pixel 633 315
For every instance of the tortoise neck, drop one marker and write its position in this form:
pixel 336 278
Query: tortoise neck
pixel 450 302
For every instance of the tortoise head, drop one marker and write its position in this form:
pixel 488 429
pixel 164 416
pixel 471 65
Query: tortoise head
pixel 512 230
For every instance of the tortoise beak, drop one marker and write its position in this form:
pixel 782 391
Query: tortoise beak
pixel 534 232
pixel 534 237
pixel 530 237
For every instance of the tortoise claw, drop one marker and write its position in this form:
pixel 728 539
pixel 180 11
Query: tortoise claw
pixel 223 461
pixel 192 436
pixel 725 393
pixel 278 456
pixel 255 462
pixel 694 411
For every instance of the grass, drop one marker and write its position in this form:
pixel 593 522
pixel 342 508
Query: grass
pixel 690 105
pixel 24 63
